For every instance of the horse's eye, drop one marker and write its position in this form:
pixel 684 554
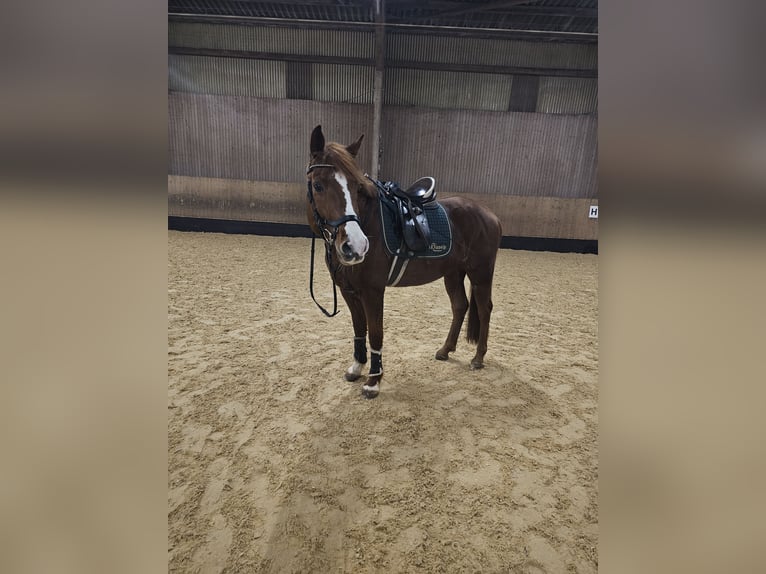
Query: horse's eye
pixel 318 187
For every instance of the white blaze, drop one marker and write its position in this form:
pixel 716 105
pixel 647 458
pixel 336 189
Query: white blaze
pixel 356 236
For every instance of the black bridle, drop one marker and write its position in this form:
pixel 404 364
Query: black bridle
pixel 329 230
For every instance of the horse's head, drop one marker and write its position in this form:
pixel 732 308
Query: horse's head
pixel 335 184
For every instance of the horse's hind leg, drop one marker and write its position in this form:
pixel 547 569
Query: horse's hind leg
pixel 359 321
pixel 459 302
pixel 481 306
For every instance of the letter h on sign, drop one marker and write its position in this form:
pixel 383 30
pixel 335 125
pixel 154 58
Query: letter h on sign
pixel 593 213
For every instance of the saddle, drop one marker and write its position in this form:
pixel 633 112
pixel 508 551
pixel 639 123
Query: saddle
pixel 414 224
pixel 410 205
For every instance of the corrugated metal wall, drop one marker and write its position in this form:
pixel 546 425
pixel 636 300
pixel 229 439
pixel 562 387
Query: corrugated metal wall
pixel 227 76
pixel 399 46
pixel 354 84
pixel 523 154
pixel 255 139
pixel 567 95
pixel 342 83
pixel 482 51
pixel 272 39
pixel 454 90
pixel 403 86
pixel 249 120
pixel 267 78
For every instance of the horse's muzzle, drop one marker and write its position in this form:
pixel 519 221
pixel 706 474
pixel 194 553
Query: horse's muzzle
pixel 349 254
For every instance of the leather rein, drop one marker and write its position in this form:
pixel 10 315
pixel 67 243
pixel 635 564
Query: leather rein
pixel 329 230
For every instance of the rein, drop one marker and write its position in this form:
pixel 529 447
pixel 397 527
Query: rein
pixel 329 230
pixel 328 257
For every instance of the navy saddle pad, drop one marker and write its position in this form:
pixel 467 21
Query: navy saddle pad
pixel 440 243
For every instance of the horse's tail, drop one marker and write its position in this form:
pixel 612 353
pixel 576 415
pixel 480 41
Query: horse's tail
pixel 472 330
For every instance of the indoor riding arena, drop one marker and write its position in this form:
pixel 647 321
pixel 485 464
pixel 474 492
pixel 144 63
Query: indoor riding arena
pixel 276 462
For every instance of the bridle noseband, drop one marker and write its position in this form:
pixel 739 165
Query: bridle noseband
pixel 329 229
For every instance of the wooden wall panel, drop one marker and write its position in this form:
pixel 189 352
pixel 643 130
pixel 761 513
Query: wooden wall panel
pixel 279 202
pixel 236 199
pixel 553 217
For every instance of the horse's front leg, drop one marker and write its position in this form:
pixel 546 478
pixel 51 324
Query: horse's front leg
pixel 372 301
pixel 359 320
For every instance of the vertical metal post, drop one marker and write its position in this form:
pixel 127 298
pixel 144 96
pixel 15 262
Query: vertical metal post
pixel 377 95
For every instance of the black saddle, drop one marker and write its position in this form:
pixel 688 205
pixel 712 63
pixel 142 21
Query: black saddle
pixel 409 205
pixel 422 191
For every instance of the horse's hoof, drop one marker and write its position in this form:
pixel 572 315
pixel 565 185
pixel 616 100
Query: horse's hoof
pixel 351 377
pixel 476 366
pixel 370 391
pixel 442 356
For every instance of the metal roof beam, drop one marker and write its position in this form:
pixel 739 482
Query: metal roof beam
pixel 551 11
pixel 502 33
pixel 438 66
pixel 475 8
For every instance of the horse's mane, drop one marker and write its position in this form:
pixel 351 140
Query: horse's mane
pixel 338 155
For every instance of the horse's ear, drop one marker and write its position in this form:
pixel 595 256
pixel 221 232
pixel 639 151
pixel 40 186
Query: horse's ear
pixel 353 149
pixel 317 140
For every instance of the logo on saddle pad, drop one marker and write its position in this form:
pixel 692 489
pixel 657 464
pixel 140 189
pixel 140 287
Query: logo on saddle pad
pixel 437 247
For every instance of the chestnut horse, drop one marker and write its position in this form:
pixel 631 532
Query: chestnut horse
pixel 343 209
